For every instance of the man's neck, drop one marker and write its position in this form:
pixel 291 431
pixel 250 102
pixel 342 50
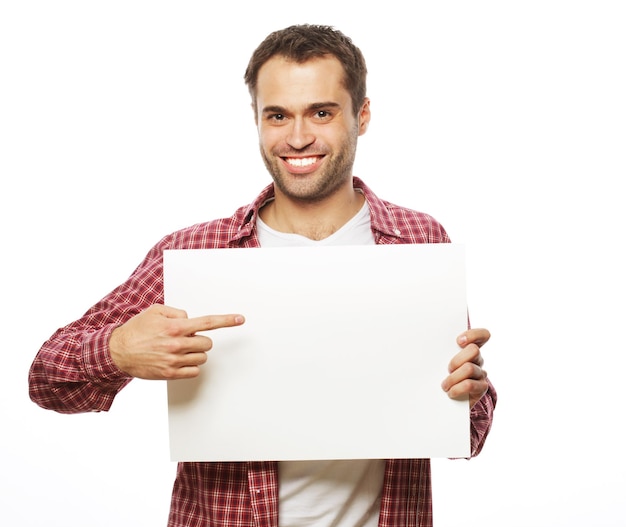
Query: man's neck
pixel 316 220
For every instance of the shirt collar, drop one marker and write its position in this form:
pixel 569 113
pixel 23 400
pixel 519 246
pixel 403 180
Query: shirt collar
pixel 382 221
pixel 249 215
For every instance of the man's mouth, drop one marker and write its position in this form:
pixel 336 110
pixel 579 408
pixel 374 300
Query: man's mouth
pixel 301 161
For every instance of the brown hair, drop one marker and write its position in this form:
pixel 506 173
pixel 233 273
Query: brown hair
pixel 304 42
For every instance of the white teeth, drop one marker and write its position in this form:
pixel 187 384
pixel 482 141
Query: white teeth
pixel 301 161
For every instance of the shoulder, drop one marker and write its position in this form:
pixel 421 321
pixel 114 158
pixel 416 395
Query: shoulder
pixel 234 231
pixel 213 234
pixel 416 226
pixel 403 224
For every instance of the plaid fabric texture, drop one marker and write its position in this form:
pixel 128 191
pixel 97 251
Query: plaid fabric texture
pixel 73 372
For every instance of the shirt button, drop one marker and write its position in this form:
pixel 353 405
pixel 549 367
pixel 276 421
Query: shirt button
pixel 396 232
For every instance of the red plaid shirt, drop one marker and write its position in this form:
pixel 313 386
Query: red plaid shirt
pixel 73 372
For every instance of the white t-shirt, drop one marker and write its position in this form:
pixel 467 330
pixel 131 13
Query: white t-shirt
pixel 337 493
pixel 357 231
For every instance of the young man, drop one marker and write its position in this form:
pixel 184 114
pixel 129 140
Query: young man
pixel 308 95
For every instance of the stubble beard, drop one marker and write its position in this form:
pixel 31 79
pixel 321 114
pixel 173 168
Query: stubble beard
pixel 337 169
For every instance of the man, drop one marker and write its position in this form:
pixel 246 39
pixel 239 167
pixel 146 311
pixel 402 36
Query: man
pixel 307 85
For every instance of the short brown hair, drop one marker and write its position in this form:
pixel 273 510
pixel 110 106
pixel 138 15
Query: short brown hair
pixel 304 42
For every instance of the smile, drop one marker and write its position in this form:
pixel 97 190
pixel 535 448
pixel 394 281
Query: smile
pixel 301 161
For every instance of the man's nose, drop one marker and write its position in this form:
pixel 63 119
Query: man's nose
pixel 300 135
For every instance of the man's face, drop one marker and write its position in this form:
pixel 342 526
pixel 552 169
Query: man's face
pixel 307 128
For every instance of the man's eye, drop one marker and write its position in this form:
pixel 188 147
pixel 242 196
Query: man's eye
pixel 277 117
pixel 323 114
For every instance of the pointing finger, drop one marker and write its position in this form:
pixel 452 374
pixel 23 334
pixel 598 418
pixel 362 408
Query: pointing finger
pixel 209 322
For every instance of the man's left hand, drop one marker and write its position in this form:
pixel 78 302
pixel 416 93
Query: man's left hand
pixel 466 374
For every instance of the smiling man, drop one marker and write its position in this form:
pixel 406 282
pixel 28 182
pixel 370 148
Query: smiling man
pixel 308 129
pixel 308 91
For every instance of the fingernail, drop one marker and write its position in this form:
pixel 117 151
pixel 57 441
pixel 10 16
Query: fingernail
pixel 239 319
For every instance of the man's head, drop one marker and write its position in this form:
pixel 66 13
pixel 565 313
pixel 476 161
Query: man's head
pixel 302 43
pixel 302 80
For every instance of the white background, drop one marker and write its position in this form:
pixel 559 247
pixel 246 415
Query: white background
pixel 121 121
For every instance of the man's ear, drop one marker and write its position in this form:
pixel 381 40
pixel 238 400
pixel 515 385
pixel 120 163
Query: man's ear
pixel 364 116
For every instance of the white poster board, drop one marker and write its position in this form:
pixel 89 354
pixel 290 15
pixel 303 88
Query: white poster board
pixel 341 356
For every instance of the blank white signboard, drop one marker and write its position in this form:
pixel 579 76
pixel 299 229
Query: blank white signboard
pixel 341 356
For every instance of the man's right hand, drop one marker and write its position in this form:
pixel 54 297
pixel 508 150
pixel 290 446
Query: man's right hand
pixel 161 343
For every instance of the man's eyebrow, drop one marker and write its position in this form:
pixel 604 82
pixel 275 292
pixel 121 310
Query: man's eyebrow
pixel 326 104
pixel 273 109
pixel 312 106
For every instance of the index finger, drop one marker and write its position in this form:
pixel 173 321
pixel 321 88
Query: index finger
pixel 478 336
pixel 209 322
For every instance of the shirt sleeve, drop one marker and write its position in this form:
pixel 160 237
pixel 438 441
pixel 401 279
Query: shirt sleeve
pixel 73 371
pixel 481 417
